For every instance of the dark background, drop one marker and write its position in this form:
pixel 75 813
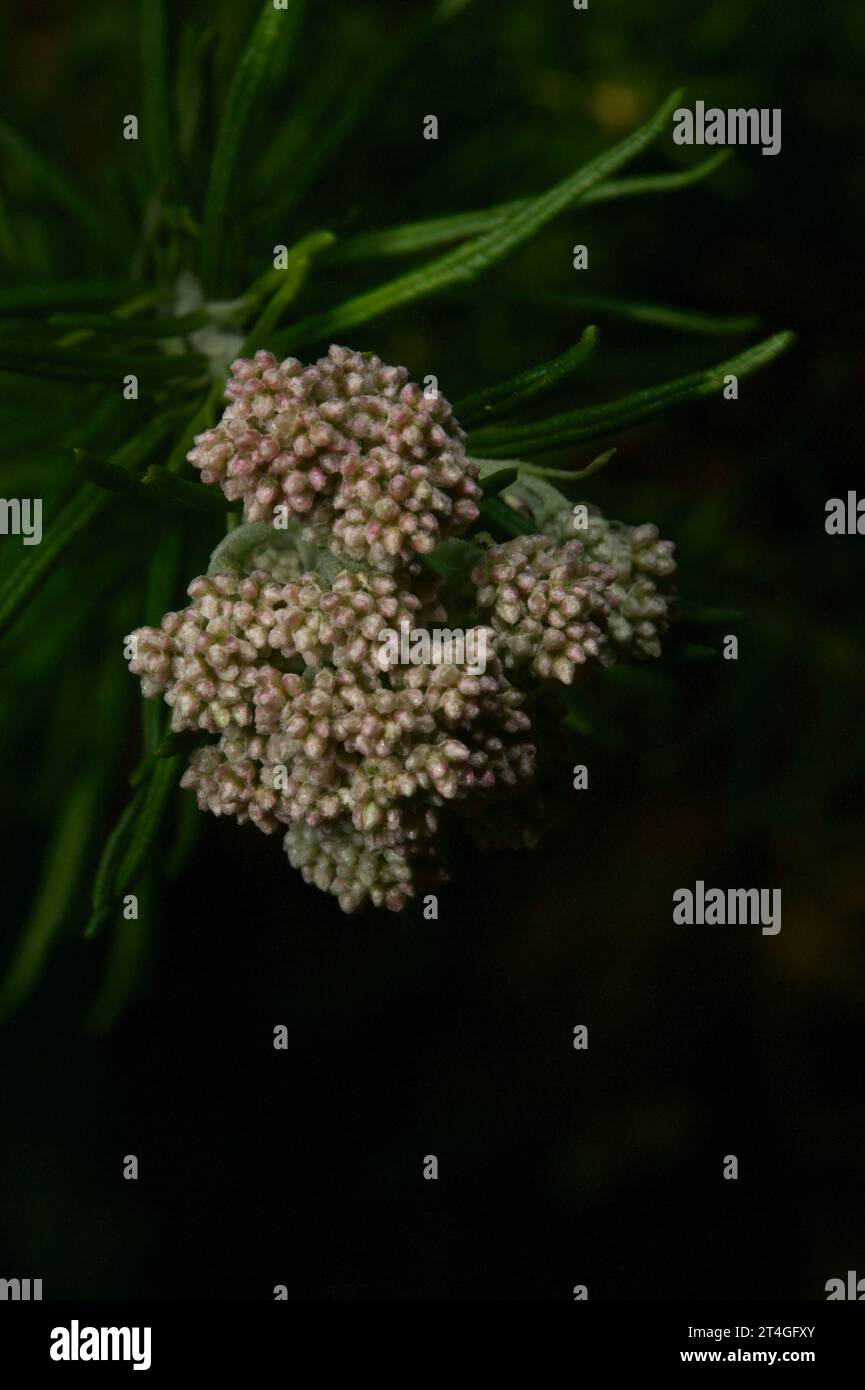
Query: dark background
pixel 453 1038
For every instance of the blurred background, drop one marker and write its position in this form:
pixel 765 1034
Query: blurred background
pixel 454 1038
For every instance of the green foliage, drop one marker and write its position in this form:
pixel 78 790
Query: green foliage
pixel 162 286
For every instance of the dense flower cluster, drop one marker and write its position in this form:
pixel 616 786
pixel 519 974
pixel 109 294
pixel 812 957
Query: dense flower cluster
pixel 315 736
pixel 641 594
pixel 374 466
pixel 363 764
pixel 548 604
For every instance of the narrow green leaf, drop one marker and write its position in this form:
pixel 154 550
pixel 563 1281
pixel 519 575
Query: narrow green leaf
pixel 165 486
pixel 200 420
pixel 697 651
pixel 272 32
pixel 126 957
pixel 636 187
pixel 48 295
pixel 497 517
pixel 58 880
pixel 146 823
pixel 106 873
pixel 411 237
pixel 699 613
pixel 37 563
pixel 570 475
pixel 188 824
pixel 164 573
pixel 104 473
pixel 658 315
pixel 518 391
pixel 299 260
pixel 174 745
pixel 494 478
pixel 158 132
pixel 131 328
pixel 323 124
pixel 64 528
pixel 191 82
pixel 469 261
pixel 60 364
pixel 595 420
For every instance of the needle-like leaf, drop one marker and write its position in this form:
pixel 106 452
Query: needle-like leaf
pixel 509 396
pixel 158 131
pixel 272 32
pixel 74 518
pixel 412 237
pixel 467 262
pixel 291 279
pixel 595 420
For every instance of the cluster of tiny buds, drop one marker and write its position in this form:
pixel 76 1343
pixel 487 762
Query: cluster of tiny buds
pixel 375 467
pixel 365 764
pixel 313 733
pixel 548 604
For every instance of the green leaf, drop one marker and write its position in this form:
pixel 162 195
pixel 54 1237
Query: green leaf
pixel 200 420
pixel 697 651
pixel 494 478
pixel 469 261
pixel 639 186
pixel 235 549
pixel 158 132
pixel 49 294
pixel 104 893
pixel 62 364
pixel 74 518
pixel 291 280
pixel 452 559
pixel 188 823
pixel 57 884
pixel 569 475
pixel 497 517
pixel 175 744
pixel 164 571
pixel 146 823
pixel 411 237
pixel 104 473
pixel 545 502
pixel 325 117
pixel 595 420
pixel 273 31
pixel 126 957
pixel 699 613
pixel 658 315
pixel 164 486
pixel 131 328
pixel 518 391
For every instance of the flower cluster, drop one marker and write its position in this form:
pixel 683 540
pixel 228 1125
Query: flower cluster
pixel 375 467
pixel 548 604
pixel 316 737
pixel 364 765
pixel 641 594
